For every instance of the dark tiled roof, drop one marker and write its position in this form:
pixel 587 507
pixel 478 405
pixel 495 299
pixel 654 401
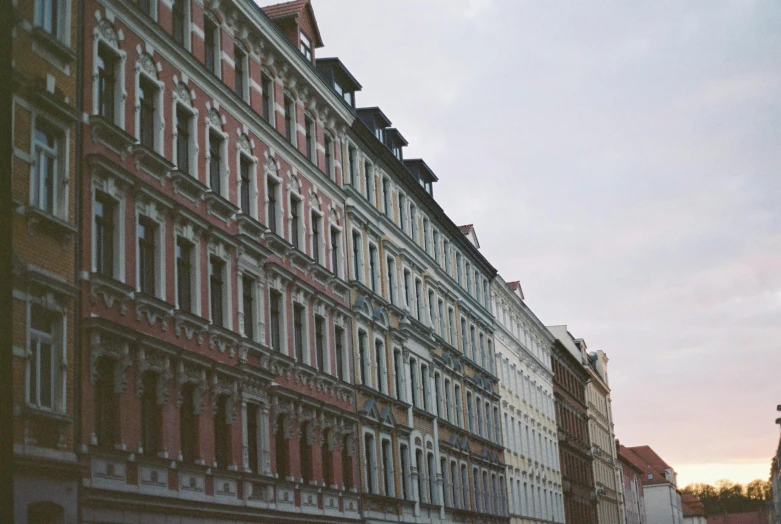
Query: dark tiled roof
pixel 467 228
pixel 691 505
pixel 755 517
pixel 285 9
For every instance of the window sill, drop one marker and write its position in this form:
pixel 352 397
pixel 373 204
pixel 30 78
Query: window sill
pixel 278 245
pixel 151 162
pixel 190 325
pixel 220 207
pixel 153 309
pixel 111 290
pixel 44 222
pixel 51 103
pixel 111 135
pixel 53 45
pixel 250 227
pixel 32 412
pixel 188 186
pixel 222 340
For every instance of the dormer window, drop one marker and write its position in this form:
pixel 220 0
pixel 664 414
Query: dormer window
pixel 305 45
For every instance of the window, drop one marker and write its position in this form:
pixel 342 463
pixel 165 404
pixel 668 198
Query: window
pixel 311 145
pixel 319 343
pixel 347 464
pixel 245 176
pixel 184 274
pixel 351 153
pixel 275 321
pixel 421 475
pixel 329 146
pixel 179 15
pixel 305 454
pixel 340 360
pixel 42 370
pixel 404 468
pixel 432 316
pixel 216 289
pixel 248 306
pixel 464 487
pixel 240 64
pixel 418 299
pixel 472 342
pixel 150 415
pixel 407 284
pixel 47 166
pixel 215 162
pixel 271 192
pixel 222 437
pixel 290 119
pixel 401 213
pixel 104 235
pixel 252 437
pixel 426 240
pixel 47 16
pixel 413 218
pixel 335 243
pixel 282 449
pixel 357 256
pixel 386 197
pixel 424 383
pixel 469 411
pixel 316 221
pixel 211 46
pixel 451 318
pixel 373 270
pixel 295 222
pixel 458 268
pixel 147 7
pixel 464 339
pixel 371 465
pixel 398 373
pixel 435 234
pixel 369 172
pixel 448 402
pixel 146 117
pixel 267 85
pixel 413 373
pixel 379 361
pixel 107 82
pixel 183 122
pixel 147 245
pixel 305 45
pixel 387 468
pixel 432 478
pixel 298 331
pixel 106 404
pixel 363 358
pixel 327 458
pixel 459 412
pixel 391 264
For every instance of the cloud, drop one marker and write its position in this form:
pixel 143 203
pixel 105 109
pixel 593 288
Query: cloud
pixel 622 160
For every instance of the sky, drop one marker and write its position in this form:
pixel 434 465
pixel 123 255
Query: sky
pixel 623 161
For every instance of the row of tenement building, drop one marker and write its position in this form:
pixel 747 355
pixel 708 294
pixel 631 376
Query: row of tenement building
pixel 235 300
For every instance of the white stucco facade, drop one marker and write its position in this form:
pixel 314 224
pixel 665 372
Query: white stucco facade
pixel 662 504
pixel 528 417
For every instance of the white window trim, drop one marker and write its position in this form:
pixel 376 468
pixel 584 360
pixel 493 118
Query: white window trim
pixel 224 167
pixel 254 192
pixel 109 187
pixel 151 211
pixel 194 147
pixel 59 355
pixel 120 92
pixel 61 185
pixel 189 233
pixel 219 250
pixel 320 248
pixel 159 123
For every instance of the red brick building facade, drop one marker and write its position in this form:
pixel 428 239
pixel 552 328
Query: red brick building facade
pixel 569 388
pixel 215 318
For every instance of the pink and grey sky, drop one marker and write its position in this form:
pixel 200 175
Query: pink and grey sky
pixel 622 159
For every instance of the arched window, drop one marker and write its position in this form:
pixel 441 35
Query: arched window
pixel 281 449
pixel 106 404
pixel 305 451
pixel 347 465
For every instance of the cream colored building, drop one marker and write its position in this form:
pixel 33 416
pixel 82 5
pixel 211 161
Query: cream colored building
pixel 601 432
pixel 523 347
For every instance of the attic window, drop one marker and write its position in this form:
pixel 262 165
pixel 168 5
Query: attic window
pixel 650 476
pixel 305 45
pixel 347 95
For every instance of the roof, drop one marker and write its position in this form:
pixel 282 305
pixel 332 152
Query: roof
pixel 292 10
pixel 467 228
pixel 691 505
pixel 341 70
pixel 515 286
pixel 376 113
pixel 647 459
pixel 471 234
pixel 755 517
pixel 630 458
